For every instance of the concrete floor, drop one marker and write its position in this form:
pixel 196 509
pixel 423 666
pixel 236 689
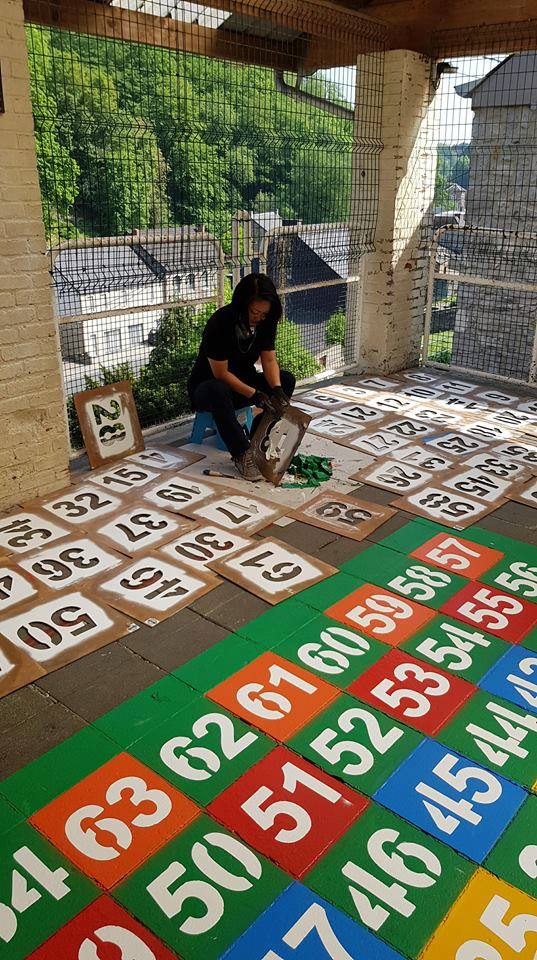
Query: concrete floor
pixel 43 714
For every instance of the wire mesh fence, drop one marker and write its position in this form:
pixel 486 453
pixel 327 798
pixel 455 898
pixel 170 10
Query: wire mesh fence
pixel 181 146
pixel 483 122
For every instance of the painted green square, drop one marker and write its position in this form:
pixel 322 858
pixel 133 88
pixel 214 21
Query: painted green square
pixel 217 663
pixel 199 764
pixel 515 855
pixel 277 623
pixel 403 575
pixel 35 785
pixel 497 734
pixel 514 576
pixel 331 651
pixel 134 718
pixel 356 743
pixel 8 816
pixel 525 552
pixel 322 595
pixel 410 537
pixel 456 647
pixel 231 911
pixel 57 889
pixel 379 832
pixel 530 640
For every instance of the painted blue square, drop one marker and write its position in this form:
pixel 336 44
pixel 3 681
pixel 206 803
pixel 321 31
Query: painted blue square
pixel 452 798
pixel 302 926
pixel 514 677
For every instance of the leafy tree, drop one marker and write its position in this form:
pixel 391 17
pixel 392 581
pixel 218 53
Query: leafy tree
pixel 335 329
pixel 291 353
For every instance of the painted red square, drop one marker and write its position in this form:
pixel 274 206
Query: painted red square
pixel 487 608
pixel 111 821
pixel 277 696
pixel 379 613
pixel 422 696
pixel 285 796
pixel 106 932
pixel 450 552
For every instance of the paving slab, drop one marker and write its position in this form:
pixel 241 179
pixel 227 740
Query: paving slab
pixel 175 641
pixel 342 550
pixel 300 535
pixel 46 724
pixel 230 606
pixel 101 681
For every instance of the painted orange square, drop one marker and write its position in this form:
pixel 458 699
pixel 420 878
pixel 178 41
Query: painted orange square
pixel 492 918
pixel 111 821
pixel 379 613
pixel 447 551
pixel 275 695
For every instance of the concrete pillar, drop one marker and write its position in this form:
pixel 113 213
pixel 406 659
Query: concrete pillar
pixel 394 276
pixel 34 448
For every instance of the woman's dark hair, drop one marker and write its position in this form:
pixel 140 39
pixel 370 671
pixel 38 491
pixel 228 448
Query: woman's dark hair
pixel 256 286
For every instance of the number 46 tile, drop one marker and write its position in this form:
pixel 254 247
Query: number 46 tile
pixel 392 878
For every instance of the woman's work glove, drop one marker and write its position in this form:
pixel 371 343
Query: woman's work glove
pixel 280 400
pixel 261 399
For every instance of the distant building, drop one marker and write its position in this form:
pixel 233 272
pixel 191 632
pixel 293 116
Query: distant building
pixel 494 327
pixel 154 267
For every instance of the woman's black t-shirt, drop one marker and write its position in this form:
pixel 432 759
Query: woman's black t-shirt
pixel 221 341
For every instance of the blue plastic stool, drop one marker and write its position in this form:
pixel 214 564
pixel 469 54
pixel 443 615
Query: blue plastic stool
pixel 204 422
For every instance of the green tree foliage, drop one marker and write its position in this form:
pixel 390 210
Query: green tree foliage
pixel 452 166
pixel 335 329
pixel 132 136
pixel 292 355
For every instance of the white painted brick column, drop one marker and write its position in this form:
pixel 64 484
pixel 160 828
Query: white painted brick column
pixel 394 277
pixel 34 449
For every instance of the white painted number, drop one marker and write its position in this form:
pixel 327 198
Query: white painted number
pixel 380 612
pixel 207 761
pixel 254 699
pixel 333 752
pixel 23 895
pixel 490 614
pixel 459 810
pixel 333 657
pixel 437 687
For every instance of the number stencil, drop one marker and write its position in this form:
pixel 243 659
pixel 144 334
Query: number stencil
pixel 123 478
pixel 109 422
pixel 16 669
pixel 111 821
pixel 202 890
pixel 514 858
pixel 22 532
pixel 412 691
pixel 490 921
pixel 153 588
pixel 101 926
pixel 460 803
pixel 444 506
pixel 273 570
pixel 490 609
pixel 201 545
pixel 483 486
pixel 79 504
pixel 514 678
pixel 166 458
pixel 275 695
pixel 409 578
pixel 302 926
pixel 39 891
pixel 202 749
pixel 137 529
pixel 355 743
pixel 392 878
pixel 288 809
pixel 58 631
pixel 381 614
pixel 394 476
pixel 235 512
pixel 68 562
pixel 497 734
pixel 178 493
pixel 16 586
pixel 460 649
pixel 526 494
pixel 352 518
pixel 330 650
pixel 449 552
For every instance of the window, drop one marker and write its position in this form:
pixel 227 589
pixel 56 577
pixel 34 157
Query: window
pixel 136 333
pixel 112 340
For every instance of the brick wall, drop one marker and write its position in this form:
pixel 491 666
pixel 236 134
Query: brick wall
pixel 394 277
pixel 34 453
